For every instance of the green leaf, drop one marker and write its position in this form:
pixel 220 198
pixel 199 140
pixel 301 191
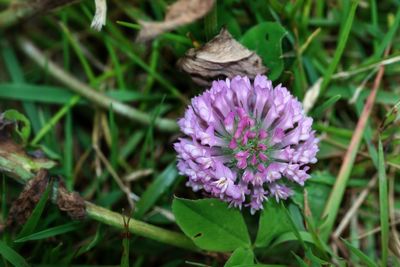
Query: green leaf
pixel 156 189
pixel 50 232
pixel 12 256
pixel 266 40
pixel 23 130
pixel 364 258
pixel 211 224
pixel 290 237
pixel 240 256
pixel 273 222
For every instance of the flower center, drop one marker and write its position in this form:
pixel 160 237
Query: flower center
pixel 248 143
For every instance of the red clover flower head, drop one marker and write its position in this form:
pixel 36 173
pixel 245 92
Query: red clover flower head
pixel 246 142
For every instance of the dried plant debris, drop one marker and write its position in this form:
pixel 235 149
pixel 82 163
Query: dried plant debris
pixel 180 13
pixel 70 202
pixel 100 16
pixel 221 57
pixel 23 206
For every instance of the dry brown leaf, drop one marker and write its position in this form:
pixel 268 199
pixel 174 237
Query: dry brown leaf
pixel 221 57
pixel 70 202
pixel 23 206
pixel 180 13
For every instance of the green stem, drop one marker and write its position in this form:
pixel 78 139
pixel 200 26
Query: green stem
pixel 86 91
pixel 138 227
pixel 340 48
pixel 21 167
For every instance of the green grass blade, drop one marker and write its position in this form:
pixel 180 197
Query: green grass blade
pixel 50 232
pixel 75 45
pixel 156 189
pixel 344 35
pixel 17 76
pixel 12 256
pixel 327 104
pixel 68 151
pixel 54 120
pixel 364 258
pixel 387 39
pixel 117 65
pixel 383 205
pixel 114 137
pixel 125 252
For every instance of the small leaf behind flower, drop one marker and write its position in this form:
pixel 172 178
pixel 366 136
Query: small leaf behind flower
pixel 266 39
pixel 221 57
pixel 273 223
pixel 240 256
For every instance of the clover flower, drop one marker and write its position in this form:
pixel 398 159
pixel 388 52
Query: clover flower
pixel 246 142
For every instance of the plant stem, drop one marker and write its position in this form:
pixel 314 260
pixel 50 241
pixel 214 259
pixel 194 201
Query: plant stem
pixel 16 13
pixel 21 170
pixel 138 227
pixel 166 125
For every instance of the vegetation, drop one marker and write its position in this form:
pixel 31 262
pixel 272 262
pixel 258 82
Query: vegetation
pixel 98 110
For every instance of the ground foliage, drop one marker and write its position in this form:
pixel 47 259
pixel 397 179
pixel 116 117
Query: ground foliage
pixel 328 53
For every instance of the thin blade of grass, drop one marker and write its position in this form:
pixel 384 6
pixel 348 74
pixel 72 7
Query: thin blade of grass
pixel 55 119
pixel 12 256
pixel 69 151
pixel 50 232
pixel 327 104
pixel 332 206
pixel 17 76
pixel 344 35
pixel 86 91
pixel 156 189
pixel 383 205
pixel 364 258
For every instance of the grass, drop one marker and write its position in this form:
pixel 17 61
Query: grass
pixel 106 107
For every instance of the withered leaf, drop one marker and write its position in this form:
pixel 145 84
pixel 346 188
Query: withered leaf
pixel 70 202
pixel 23 206
pixel 13 159
pixel 180 13
pixel 221 57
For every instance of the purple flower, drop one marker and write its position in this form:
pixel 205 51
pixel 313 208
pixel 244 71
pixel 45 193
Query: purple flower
pixel 246 142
